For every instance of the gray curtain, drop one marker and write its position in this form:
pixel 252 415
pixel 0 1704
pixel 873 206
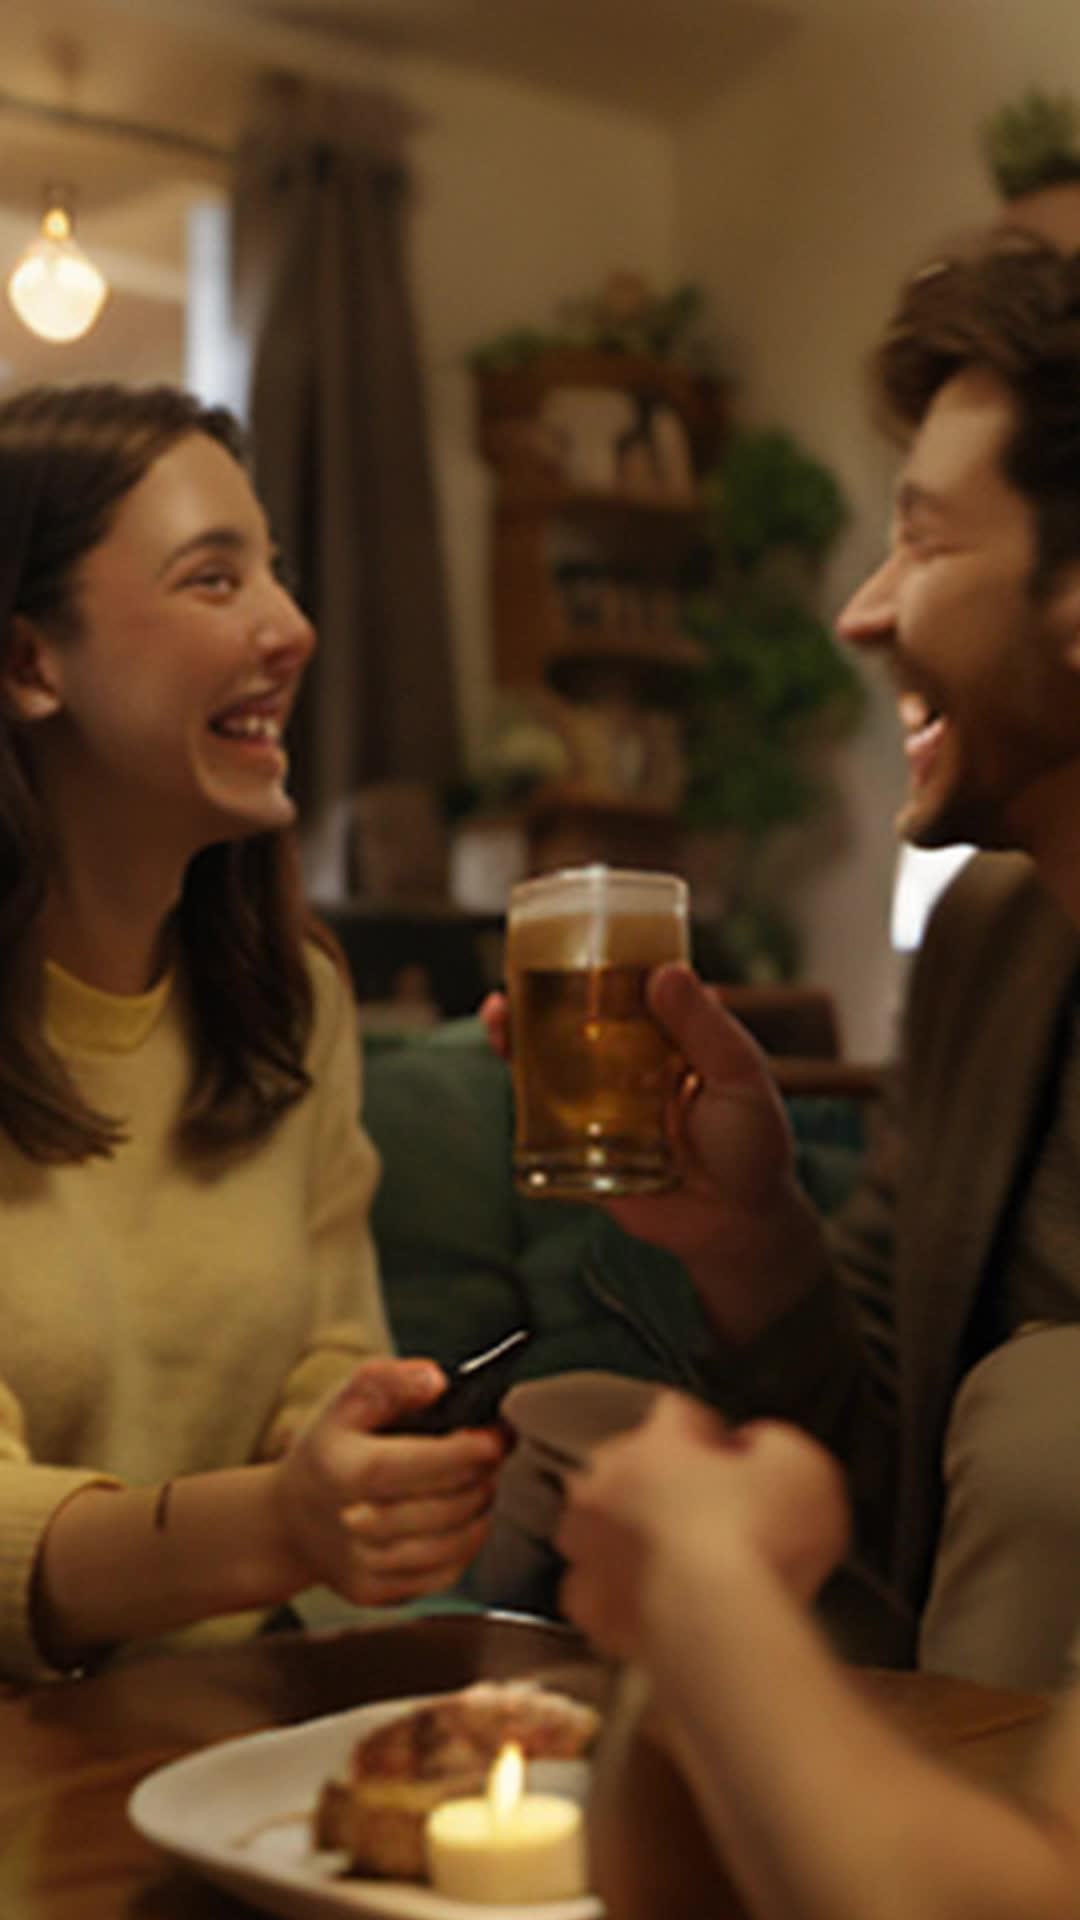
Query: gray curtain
pixel 342 461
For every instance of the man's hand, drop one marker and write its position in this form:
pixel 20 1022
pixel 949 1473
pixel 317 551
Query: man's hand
pixel 728 1120
pixel 764 1496
pixel 383 1518
pixel 737 1219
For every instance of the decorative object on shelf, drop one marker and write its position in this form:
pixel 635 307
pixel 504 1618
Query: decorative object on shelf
pixel 605 441
pixel 617 747
pixel 586 426
pixel 561 782
pixel 597 432
pixel 489 854
pixel 658 574
pixel 521 415
pixel 524 749
pixel 1032 149
pixel 776 689
pixel 590 557
pixel 398 849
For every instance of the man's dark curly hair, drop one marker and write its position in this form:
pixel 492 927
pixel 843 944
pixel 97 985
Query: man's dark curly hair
pixel 1013 308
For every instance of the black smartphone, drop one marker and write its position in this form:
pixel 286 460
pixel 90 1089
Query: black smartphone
pixel 475 1388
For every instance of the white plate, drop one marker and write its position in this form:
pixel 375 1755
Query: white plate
pixel 238 1813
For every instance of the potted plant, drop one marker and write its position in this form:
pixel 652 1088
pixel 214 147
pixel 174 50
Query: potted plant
pixel 626 316
pixel 1032 149
pixel 775 692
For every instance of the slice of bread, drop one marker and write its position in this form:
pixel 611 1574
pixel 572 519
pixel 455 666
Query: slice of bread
pixel 439 1751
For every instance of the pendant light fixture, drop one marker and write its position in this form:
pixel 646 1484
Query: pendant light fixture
pixel 54 288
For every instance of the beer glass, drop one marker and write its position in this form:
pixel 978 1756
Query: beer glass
pixel 592 1069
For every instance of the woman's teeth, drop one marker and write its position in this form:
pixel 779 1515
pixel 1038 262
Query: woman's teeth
pixel 249 726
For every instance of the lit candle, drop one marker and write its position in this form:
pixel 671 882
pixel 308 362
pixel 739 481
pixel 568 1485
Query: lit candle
pixel 507 1846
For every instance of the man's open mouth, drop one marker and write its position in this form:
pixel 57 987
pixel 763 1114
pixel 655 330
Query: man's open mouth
pixel 924 728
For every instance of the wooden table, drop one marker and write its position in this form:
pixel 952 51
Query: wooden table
pixel 71 1753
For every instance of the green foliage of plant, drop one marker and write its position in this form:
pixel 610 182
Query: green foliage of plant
pixel 1033 142
pixel 661 326
pixel 767 493
pixel 516 348
pixel 757 943
pixel 773 657
pixel 748 782
pixel 626 316
pixel 776 684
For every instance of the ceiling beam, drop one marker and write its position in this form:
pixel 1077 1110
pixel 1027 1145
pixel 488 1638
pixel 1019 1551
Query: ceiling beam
pixel 111 127
pixel 259 44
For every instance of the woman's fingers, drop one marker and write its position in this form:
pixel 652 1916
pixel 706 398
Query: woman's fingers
pixel 382 1523
pixel 377 1576
pixel 404 1467
pixel 383 1390
pixel 422 1516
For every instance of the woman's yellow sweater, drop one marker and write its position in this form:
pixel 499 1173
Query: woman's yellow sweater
pixel 156 1319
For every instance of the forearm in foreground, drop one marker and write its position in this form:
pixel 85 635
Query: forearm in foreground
pixel 818 1808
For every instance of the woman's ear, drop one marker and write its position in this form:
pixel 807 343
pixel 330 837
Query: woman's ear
pixel 29 678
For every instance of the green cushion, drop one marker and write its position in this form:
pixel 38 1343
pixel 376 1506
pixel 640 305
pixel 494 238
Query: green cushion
pixel 830 1137
pixel 438 1106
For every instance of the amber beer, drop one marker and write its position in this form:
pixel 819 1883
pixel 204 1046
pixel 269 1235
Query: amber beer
pixel 592 1069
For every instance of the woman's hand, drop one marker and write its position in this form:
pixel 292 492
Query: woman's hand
pixel 378 1517
pixel 763 1496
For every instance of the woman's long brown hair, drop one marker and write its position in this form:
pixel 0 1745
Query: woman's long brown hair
pixel 68 457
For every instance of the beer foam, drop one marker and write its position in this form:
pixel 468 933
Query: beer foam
pixel 597 916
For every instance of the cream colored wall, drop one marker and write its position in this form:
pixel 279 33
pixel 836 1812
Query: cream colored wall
pixel 802 198
pixel 522 200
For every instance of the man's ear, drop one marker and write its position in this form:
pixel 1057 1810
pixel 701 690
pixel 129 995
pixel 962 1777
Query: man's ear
pixel 29 678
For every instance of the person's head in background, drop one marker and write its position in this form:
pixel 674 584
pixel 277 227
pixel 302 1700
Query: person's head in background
pixel 150 659
pixel 976 608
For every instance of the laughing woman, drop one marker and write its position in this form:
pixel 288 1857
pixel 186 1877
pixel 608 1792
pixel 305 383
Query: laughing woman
pixel 194 1360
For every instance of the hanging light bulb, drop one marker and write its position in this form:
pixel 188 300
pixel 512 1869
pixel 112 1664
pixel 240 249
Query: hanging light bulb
pixel 54 288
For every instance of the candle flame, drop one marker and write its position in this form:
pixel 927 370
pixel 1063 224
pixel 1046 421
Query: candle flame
pixel 506 1781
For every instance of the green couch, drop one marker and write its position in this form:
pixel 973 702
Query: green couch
pixel 465 1258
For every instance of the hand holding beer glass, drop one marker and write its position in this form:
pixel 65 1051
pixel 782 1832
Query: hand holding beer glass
pixel 593 1071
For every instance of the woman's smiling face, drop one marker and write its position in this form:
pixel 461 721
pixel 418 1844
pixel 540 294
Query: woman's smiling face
pixel 987 696
pixel 170 697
